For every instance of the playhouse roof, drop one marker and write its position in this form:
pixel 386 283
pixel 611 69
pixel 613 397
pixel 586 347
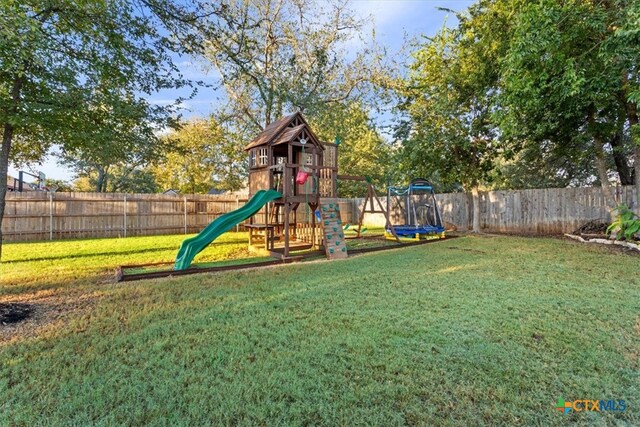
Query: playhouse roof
pixel 284 131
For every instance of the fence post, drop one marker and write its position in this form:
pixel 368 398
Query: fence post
pixel 50 215
pixel 124 222
pixel 237 207
pixel 185 214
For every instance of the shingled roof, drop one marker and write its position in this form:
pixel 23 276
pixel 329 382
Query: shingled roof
pixel 280 132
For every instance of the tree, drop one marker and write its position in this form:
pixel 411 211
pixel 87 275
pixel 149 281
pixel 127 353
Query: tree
pixel 127 144
pixel 116 178
pixel 58 185
pixel 278 55
pixel 362 150
pixel 203 156
pixel 626 44
pixel 448 106
pixel 69 70
pixel 564 83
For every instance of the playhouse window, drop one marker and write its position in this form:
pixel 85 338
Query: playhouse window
pixel 262 157
pixel 308 159
pixel 252 159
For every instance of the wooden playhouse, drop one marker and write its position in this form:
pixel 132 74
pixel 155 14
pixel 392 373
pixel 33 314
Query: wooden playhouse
pixel 281 157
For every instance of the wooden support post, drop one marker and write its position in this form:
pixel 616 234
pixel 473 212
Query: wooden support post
pixel 364 209
pixel 124 222
pixel 313 227
pixel 286 229
pixel 50 215
pixel 185 214
pixel 386 215
pixel 371 193
pixel 237 207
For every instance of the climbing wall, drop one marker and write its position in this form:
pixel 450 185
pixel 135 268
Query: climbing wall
pixel 334 243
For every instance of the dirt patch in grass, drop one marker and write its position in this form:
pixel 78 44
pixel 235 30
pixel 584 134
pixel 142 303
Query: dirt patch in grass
pixel 11 313
pixel 22 317
pixel 475 251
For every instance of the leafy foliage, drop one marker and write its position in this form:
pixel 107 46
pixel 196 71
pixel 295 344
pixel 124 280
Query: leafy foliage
pixel 626 224
pixel 275 56
pixel 362 150
pixel 114 179
pixel 203 155
pixel 563 87
pixel 448 107
pixel 58 185
pixel 78 74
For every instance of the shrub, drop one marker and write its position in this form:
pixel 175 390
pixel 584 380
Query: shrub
pixel 625 225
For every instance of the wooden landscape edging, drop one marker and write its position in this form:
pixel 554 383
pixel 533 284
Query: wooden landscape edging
pixel 121 277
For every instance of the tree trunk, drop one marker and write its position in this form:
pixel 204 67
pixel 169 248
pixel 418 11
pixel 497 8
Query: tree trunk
pixel 5 150
pixel 603 173
pixel 632 116
pixel 100 180
pixel 601 164
pixel 622 166
pixel 7 138
pixel 633 122
pixel 636 151
pixel 476 209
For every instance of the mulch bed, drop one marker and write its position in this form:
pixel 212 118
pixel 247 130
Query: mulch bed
pixel 593 227
pixel 595 231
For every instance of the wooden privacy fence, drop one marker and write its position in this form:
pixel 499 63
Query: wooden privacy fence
pixel 550 211
pixel 540 211
pixel 52 216
pixel 46 216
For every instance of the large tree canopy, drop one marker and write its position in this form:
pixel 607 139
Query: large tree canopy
pixel 278 56
pixel 564 83
pixel 79 73
pixel 550 87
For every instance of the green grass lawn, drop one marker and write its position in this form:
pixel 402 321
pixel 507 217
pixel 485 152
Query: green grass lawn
pixel 469 331
pixel 55 264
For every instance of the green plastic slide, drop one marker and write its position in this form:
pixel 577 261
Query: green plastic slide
pixel 193 245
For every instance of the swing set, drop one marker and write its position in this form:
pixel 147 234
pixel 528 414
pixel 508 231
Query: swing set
pixel 418 211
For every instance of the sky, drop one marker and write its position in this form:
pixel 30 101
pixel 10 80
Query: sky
pixel 394 21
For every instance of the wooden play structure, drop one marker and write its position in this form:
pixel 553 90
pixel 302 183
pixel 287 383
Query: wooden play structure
pixel 292 213
pixel 289 158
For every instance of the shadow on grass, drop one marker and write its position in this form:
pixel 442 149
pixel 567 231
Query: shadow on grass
pixel 116 252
